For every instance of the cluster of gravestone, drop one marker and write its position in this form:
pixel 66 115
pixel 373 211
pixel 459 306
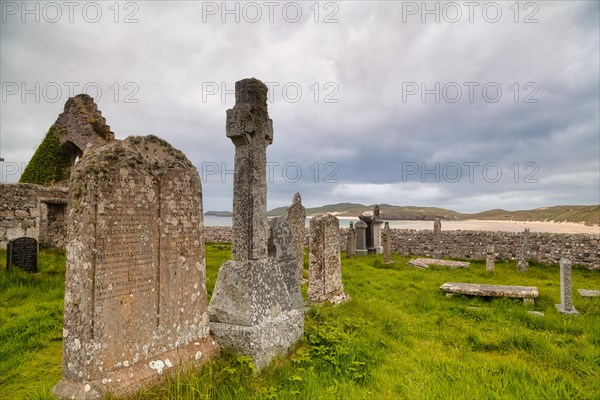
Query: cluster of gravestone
pixel 136 306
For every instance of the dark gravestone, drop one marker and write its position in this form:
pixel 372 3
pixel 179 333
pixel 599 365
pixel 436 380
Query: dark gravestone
pixel 22 253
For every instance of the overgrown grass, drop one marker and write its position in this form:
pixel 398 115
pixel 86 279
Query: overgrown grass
pixel 399 338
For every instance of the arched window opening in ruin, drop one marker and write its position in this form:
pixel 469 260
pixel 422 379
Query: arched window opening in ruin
pixel 74 154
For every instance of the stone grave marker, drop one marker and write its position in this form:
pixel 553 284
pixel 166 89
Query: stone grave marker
pixel 490 258
pixel 437 239
pixel 23 254
pixel 351 241
pixel 252 310
pixel 387 245
pixel 523 265
pixel 325 268
pixel 361 238
pixel 135 292
pixel 566 294
pixel 282 250
pixel 296 217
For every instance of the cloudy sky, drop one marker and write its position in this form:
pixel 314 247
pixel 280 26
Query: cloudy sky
pixel 462 105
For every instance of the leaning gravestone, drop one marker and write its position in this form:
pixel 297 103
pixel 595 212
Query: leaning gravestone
pixel 251 309
pixel 135 292
pixel 325 268
pixel 296 217
pixel 23 254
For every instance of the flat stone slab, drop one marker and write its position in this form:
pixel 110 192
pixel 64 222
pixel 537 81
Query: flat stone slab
pixel 527 293
pixel 426 262
pixel 589 293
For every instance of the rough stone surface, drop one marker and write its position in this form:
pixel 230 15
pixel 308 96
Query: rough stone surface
pixel 325 268
pixel 589 293
pixel 361 238
pixel 437 239
pixel 282 249
pixel 490 258
pixel 135 292
pixel 387 248
pixel 566 293
pixel 528 293
pixel 523 265
pixel 426 262
pixel 34 211
pixel 296 217
pixel 249 293
pixel 251 131
pixel 265 341
pixel 351 242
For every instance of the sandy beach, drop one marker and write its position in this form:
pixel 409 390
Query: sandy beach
pixel 495 226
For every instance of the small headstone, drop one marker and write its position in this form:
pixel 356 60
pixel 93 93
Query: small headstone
pixel 566 294
pixel 325 268
pixel 523 265
pixel 361 238
pixel 281 249
pixel 437 239
pixel 387 246
pixel 296 217
pixel 23 254
pixel 135 292
pixel 351 242
pixel 490 258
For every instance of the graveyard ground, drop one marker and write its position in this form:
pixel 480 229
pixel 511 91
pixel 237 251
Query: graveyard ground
pixel 399 338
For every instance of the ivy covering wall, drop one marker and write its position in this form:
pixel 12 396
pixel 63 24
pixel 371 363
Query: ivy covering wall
pixel 50 161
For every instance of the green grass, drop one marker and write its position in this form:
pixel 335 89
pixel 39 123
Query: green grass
pixel 399 338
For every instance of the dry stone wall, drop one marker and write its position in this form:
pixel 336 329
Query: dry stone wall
pixel 471 245
pixel 33 211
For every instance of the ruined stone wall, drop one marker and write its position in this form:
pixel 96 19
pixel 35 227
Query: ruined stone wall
pixel 24 212
pixel 471 245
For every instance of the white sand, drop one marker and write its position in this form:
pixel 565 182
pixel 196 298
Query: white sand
pixel 495 226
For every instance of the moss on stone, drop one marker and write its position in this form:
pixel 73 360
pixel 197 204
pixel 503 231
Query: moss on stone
pixel 48 164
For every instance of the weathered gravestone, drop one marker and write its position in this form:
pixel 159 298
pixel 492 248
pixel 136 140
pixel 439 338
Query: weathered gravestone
pixel 523 265
pixel 566 294
pixel 351 241
pixel 437 239
pixel 387 245
pixel 296 217
pixel 361 238
pixel 251 309
pixel 135 292
pixel 282 250
pixel 23 254
pixel 490 258
pixel 325 268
